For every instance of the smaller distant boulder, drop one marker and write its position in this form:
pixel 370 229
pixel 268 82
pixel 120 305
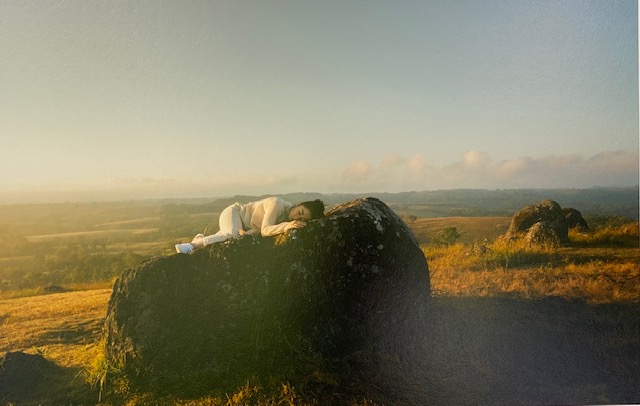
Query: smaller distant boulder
pixel 545 223
pixel 575 220
pixel 547 210
pixel 544 233
pixel 53 289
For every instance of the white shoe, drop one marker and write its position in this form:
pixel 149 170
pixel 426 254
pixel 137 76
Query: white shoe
pixel 198 240
pixel 184 248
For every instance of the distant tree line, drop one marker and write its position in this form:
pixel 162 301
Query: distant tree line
pixel 70 267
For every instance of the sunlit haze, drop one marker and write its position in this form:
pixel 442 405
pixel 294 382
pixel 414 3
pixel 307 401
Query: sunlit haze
pixel 108 100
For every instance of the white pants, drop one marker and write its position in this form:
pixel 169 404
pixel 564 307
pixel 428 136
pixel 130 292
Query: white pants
pixel 230 225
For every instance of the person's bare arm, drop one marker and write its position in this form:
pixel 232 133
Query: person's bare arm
pixel 269 225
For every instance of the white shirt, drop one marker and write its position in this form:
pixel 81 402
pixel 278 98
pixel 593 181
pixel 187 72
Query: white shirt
pixel 267 216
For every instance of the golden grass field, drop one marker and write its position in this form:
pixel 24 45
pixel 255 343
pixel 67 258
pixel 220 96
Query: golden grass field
pixel 592 275
pixel 62 326
pixel 474 272
pixel 471 228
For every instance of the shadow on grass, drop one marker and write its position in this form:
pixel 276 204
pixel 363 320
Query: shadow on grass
pixel 505 351
pixel 31 379
pixel 470 351
pixel 82 332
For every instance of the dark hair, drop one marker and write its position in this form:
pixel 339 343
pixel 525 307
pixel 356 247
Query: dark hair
pixel 316 208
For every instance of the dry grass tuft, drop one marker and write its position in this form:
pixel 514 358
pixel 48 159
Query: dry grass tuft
pixel 589 271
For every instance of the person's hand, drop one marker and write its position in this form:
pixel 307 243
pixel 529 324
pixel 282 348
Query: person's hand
pixel 295 224
pixel 251 231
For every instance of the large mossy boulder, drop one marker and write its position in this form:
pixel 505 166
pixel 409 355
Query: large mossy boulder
pixel 352 283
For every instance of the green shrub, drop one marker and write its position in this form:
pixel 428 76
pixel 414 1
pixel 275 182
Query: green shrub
pixel 447 236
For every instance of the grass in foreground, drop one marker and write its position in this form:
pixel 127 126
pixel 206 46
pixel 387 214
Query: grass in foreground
pixel 603 267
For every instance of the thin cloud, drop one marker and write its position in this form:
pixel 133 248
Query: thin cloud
pixel 417 164
pixel 476 169
pixel 476 159
pixel 358 171
pixel 611 168
pixel 393 160
pixel 393 173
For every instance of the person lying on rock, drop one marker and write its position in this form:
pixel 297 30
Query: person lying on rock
pixel 267 217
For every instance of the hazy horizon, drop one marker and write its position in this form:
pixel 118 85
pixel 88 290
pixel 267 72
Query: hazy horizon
pixel 116 100
pixel 113 196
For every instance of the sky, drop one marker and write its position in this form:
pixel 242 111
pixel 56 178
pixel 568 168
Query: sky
pixel 105 100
